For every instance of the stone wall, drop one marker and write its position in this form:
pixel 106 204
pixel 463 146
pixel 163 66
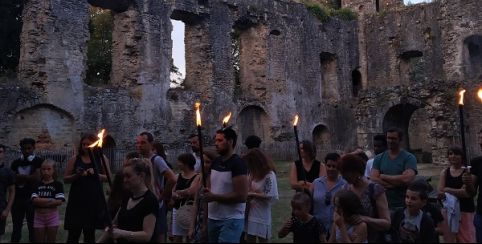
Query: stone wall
pixel 265 61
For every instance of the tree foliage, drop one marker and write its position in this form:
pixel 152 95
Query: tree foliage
pixel 99 48
pixel 10 28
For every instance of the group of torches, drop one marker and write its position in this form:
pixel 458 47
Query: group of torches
pixel 96 154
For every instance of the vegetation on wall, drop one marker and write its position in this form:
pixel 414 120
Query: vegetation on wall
pixel 99 47
pixel 10 28
pixel 323 12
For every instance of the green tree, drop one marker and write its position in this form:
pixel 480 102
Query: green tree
pixel 99 48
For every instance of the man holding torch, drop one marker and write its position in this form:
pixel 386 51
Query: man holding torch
pixel 227 192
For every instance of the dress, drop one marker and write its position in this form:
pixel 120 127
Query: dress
pixel 259 218
pixel 85 206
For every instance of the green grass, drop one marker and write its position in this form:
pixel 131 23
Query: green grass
pixel 281 210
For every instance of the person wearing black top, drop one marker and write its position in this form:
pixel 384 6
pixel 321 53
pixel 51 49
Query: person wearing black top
pixel 27 173
pixel 136 219
pixel 85 210
pixel 451 182
pixel 303 174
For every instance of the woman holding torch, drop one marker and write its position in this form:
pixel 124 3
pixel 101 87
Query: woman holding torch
pixel 84 212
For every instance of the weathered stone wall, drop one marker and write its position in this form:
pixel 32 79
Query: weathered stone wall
pixel 416 56
pixel 411 60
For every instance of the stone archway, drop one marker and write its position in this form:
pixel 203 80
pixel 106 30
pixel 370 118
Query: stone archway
pixel 322 141
pixel 472 56
pixel 399 116
pixel 418 134
pixel 52 127
pixel 253 120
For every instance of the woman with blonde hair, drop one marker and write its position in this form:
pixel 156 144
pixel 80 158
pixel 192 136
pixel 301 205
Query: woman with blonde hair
pixel 136 218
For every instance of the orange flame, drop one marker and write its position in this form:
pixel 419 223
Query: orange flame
pixel 198 113
pixel 226 118
pixel 479 94
pixel 100 141
pixel 295 123
pixel 461 98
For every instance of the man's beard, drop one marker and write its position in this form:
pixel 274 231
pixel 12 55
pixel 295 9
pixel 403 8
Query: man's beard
pixel 222 152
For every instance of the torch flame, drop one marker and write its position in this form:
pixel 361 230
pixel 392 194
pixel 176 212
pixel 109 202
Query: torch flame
pixel 198 113
pixel 479 94
pixel 100 141
pixel 461 98
pixel 295 123
pixel 226 118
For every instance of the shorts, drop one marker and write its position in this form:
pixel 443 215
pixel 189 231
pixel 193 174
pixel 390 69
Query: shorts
pixel 259 230
pixel 177 230
pixel 43 220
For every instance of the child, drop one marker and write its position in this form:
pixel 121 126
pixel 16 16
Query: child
pixel 305 227
pixel 263 191
pixel 48 195
pixel 347 226
pixel 411 224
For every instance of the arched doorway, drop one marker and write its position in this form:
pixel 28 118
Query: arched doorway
pixel 399 116
pixel 52 127
pixel 322 141
pixel 419 133
pixel 472 55
pixel 253 120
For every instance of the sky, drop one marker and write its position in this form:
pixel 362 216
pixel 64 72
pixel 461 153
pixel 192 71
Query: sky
pixel 178 42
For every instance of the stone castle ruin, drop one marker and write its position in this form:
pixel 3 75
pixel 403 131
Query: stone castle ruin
pixel 395 65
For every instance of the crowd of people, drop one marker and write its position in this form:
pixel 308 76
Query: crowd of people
pixel 221 196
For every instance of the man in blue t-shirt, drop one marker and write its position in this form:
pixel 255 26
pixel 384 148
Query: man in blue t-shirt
pixel 227 191
pixel 394 169
pixel 164 181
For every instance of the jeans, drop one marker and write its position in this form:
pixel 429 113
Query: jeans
pixel 22 208
pixel 225 231
pixel 478 227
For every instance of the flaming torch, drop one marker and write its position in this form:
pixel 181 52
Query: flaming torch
pixel 197 106
pixel 97 147
pixel 226 120
pixel 479 94
pixel 97 150
pixel 462 126
pixel 295 127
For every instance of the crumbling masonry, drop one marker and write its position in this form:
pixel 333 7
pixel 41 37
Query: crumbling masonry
pixel 348 80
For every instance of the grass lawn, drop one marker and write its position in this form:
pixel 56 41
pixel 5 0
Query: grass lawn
pixel 281 210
